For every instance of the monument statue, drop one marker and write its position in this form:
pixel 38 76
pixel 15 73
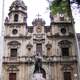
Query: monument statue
pixel 39 73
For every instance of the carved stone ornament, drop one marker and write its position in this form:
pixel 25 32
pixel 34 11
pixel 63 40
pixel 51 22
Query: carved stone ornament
pixel 64 43
pixel 38 29
pixel 14 43
pixel 18 3
pixel 12 68
pixel 66 67
pixel 6 20
pixel 38 21
pixel 29 45
pixel 39 40
pixel 48 45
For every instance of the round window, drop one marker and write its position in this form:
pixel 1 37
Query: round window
pixel 14 31
pixel 63 30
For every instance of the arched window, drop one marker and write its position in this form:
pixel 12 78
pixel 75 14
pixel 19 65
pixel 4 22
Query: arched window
pixel 64 45
pixel 13 52
pixel 13 46
pixel 65 51
pixel 12 70
pixel 67 71
pixel 16 17
pixel 39 48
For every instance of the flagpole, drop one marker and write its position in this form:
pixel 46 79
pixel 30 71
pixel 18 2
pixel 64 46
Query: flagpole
pixel 2 32
pixel 2 37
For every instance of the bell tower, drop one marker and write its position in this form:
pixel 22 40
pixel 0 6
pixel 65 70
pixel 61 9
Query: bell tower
pixel 17 12
pixel 63 35
pixel 16 20
pixel 14 37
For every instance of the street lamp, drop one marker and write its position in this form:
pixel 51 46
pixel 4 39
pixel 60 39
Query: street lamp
pixel 75 76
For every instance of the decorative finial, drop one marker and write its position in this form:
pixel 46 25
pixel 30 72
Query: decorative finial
pixel 38 15
pixel 38 21
pixel 18 0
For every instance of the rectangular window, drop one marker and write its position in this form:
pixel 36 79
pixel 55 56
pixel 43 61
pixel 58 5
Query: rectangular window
pixel 12 76
pixel 67 75
pixel 48 51
pixel 47 29
pixel 39 49
pixel 65 51
pixel 16 17
pixel 30 30
pixel 13 52
pixel 62 18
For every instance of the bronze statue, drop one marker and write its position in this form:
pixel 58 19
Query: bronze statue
pixel 38 67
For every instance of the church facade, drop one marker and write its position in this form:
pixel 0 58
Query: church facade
pixel 38 51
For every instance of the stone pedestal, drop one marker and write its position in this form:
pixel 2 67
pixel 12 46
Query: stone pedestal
pixel 38 76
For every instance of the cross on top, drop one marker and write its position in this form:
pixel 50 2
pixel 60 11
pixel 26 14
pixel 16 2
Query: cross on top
pixel 38 15
pixel 18 0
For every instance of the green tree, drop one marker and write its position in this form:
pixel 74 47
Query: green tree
pixel 60 6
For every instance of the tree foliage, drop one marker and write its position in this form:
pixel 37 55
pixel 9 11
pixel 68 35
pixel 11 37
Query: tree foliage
pixel 63 6
pixel 60 6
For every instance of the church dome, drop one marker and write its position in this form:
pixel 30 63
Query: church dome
pixel 38 21
pixel 18 3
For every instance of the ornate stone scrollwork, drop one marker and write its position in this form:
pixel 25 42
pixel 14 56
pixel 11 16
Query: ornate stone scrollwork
pixel 12 68
pixel 29 45
pixel 14 43
pixel 18 3
pixel 48 45
pixel 66 67
pixel 64 43
pixel 38 21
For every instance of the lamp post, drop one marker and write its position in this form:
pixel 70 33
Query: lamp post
pixel 75 76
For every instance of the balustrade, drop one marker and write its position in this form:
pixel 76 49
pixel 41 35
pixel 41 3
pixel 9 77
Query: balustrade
pixel 45 59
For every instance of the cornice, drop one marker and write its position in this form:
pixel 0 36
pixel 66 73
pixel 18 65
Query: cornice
pixel 61 36
pixel 61 22
pixel 16 23
pixel 13 11
pixel 17 37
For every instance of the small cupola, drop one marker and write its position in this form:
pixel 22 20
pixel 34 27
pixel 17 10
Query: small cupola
pixel 38 21
pixel 17 12
pixel 18 3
